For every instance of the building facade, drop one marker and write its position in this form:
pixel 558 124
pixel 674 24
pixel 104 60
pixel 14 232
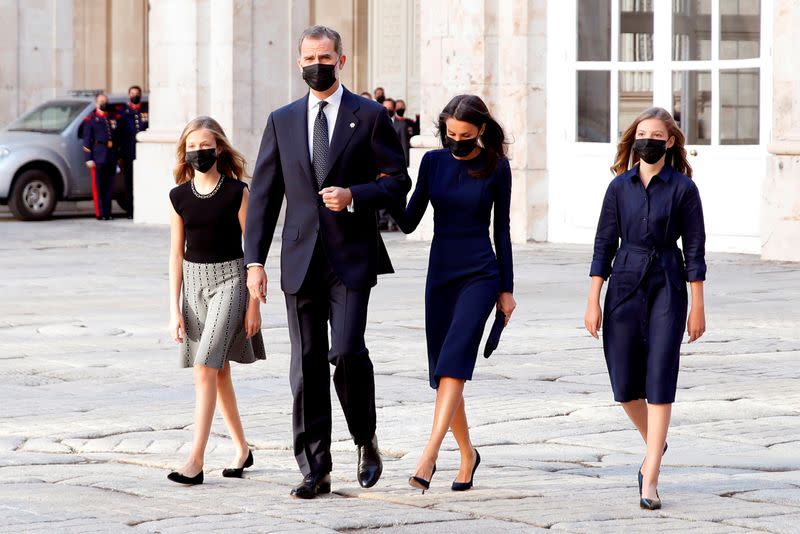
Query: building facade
pixel 564 77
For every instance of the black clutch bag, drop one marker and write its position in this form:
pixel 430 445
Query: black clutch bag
pixel 494 335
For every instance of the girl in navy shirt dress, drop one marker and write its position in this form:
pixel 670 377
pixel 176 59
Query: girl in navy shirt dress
pixel 647 208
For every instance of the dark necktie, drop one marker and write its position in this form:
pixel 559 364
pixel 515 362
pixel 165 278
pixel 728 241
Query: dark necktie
pixel 319 159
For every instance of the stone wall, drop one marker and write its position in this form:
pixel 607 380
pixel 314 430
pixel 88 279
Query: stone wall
pixel 780 207
pixel 234 61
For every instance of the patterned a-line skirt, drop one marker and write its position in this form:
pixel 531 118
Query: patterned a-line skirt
pixel 214 304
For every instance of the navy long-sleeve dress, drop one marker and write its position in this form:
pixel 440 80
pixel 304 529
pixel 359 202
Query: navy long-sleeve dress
pixel 646 300
pixel 465 276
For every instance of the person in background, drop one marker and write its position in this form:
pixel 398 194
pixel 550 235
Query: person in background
pixel 133 119
pixel 411 124
pixel 380 95
pixel 399 126
pixel 100 150
pixel 367 95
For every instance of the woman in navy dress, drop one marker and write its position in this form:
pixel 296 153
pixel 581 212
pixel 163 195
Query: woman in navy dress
pixel 648 207
pixel 466 279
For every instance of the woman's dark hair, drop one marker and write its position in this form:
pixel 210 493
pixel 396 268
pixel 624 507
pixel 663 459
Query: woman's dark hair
pixel 471 109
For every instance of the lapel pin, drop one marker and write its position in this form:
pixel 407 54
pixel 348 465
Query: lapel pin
pixel 352 125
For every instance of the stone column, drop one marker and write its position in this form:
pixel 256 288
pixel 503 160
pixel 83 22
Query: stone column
pixel 233 60
pixel 497 51
pixel 780 206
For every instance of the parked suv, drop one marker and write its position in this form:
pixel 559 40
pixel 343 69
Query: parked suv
pixel 42 160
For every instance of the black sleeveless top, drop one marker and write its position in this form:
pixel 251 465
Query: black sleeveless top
pixel 211 222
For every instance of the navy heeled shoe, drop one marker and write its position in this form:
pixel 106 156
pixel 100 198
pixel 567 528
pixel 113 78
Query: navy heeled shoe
pixel 464 486
pixel 421 483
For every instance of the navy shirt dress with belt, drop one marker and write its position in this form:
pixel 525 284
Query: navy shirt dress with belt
pixel 646 300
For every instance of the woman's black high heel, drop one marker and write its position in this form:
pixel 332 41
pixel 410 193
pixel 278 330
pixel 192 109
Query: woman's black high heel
pixel 464 486
pixel 650 504
pixel 183 479
pixel 237 472
pixel 645 503
pixel 421 483
pixel 641 478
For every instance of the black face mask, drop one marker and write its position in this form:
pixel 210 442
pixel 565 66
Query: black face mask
pixel 136 99
pixel 390 112
pixel 380 99
pixel 202 160
pixel 401 112
pixel 462 148
pixel 650 150
pixel 319 76
pixel 103 107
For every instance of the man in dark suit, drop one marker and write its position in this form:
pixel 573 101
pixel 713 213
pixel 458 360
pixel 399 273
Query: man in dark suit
pixel 399 126
pixel 336 158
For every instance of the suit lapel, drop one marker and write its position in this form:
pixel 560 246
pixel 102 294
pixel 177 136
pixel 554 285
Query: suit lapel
pixel 346 124
pixel 300 138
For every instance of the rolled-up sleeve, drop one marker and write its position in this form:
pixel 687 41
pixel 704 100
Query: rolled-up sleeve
pixel 693 234
pixel 606 240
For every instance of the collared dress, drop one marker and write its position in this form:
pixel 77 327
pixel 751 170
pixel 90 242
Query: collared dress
pixel 646 300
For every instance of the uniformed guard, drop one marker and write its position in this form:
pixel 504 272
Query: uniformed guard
pixel 99 132
pixel 133 119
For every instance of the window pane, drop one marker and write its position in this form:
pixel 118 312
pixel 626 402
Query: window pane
pixel 691 30
pixel 691 104
pixel 739 107
pixel 740 29
pixel 594 106
pixel 635 96
pixel 594 30
pixel 636 30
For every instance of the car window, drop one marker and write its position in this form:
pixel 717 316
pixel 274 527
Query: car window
pixel 50 117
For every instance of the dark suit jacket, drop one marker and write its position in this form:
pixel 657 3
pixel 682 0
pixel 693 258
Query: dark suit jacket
pixel 401 128
pixel 363 148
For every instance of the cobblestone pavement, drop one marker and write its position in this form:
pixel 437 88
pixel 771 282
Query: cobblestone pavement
pixel 95 411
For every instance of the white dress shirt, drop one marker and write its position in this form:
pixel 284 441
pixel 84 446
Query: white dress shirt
pixel 331 111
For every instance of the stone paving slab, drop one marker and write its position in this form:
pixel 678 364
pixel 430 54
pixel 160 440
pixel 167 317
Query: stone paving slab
pixel 94 410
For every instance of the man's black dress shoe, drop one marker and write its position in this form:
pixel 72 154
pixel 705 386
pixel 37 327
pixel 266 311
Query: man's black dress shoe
pixel 237 472
pixel 370 465
pixel 313 484
pixel 183 479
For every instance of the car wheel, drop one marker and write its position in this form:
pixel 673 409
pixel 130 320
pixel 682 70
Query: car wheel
pixel 33 197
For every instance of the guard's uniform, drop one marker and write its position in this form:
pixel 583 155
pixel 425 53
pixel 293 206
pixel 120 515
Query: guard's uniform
pixel 133 119
pixel 99 132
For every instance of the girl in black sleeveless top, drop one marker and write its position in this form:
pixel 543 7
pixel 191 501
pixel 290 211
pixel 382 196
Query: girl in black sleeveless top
pixel 215 321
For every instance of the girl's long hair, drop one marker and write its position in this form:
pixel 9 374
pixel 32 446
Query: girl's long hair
pixel 230 161
pixel 676 154
pixel 471 109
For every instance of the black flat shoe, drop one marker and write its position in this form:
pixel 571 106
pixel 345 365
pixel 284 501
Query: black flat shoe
pixel 313 484
pixel 183 479
pixel 370 465
pixel 421 483
pixel 464 486
pixel 237 472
